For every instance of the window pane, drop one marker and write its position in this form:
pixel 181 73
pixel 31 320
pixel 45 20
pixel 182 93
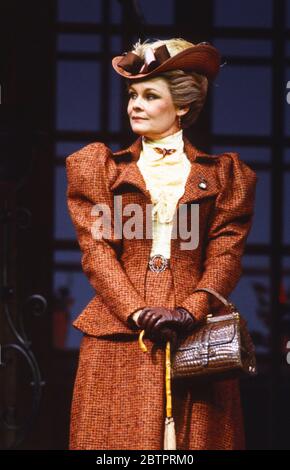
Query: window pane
pixel 286 199
pixel 79 43
pixel 116 11
pixel 260 232
pixel 161 12
pixel 114 146
pixel 64 149
pixel 251 297
pixel 78 11
pixel 247 154
pixel 116 44
pixel 78 95
pixel 67 256
pixel 243 13
pixel 72 292
pixel 242 101
pixel 63 226
pixel 115 102
pixel 243 47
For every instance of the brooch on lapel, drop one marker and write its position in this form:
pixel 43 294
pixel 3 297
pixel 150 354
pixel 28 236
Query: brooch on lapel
pixel 203 183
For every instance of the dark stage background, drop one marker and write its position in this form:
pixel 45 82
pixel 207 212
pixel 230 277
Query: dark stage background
pixel 58 93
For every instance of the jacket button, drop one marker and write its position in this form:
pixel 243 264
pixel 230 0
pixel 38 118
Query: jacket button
pixel 202 185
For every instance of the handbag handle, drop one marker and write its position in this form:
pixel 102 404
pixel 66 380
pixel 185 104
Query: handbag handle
pixel 219 296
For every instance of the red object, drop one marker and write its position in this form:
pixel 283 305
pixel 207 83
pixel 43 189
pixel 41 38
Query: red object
pixel 60 328
pixel 282 294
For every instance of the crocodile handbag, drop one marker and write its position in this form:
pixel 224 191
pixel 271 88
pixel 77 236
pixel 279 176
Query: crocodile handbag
pixel 221 346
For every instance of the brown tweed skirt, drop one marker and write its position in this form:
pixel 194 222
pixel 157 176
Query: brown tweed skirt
pixel 119 395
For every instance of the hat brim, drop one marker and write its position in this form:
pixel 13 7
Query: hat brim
pixel 204 59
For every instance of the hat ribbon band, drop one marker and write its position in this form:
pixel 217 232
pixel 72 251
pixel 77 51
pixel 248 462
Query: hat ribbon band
pixel 134 64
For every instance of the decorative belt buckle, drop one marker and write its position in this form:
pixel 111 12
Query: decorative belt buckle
pixel 158 263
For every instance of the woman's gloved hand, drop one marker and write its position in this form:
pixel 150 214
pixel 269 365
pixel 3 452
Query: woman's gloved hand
pixel 155 319
pixel 163 334
pixel 167 334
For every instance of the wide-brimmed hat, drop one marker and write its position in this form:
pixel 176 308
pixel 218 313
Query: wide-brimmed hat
pixel 202 58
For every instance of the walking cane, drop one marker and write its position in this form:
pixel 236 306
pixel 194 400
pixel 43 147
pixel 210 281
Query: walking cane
pixel 169 431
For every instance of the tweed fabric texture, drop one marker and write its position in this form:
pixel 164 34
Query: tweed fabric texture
pixel 96 175
pixel 119 395
pixel 207 416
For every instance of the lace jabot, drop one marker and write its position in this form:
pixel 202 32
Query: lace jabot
pixel 165 168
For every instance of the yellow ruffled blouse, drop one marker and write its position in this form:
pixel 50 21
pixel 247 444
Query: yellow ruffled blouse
pixel 165 175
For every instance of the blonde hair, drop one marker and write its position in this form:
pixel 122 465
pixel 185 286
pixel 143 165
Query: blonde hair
pixel 186 88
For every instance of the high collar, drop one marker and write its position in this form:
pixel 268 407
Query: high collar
pixel 170 141
pixel 129 172
pixel 159 152
pixel 135 148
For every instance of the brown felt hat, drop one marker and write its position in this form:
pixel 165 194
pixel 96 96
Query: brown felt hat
pixel 202 58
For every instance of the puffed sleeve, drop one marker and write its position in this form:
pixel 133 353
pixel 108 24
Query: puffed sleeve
pixel 88 173
pixel 227 234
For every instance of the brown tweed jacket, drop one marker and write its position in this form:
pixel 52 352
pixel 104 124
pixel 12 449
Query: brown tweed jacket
pixel 116 267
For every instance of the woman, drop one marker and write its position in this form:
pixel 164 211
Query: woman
pixel 147 282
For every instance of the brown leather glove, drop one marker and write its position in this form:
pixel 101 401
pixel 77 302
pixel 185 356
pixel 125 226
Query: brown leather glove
pixel 167 334
pixel 163 334
pixel 156 320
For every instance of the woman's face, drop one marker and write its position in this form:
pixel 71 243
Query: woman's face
pixel 151 110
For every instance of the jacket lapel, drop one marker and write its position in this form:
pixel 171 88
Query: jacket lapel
pixel 129 172
pixel 202 180
pixel 202 171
